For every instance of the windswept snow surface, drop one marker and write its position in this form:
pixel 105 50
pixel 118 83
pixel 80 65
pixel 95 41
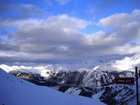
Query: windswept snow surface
pixel 15 91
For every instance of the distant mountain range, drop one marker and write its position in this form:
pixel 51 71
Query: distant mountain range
pixel 93 81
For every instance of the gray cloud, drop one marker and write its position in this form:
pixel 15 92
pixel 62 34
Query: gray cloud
pixel 59 37
pixel 56 35
pixel 125 26
pixel 8 47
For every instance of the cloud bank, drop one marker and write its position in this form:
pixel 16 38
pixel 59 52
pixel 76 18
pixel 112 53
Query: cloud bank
pixel 59 37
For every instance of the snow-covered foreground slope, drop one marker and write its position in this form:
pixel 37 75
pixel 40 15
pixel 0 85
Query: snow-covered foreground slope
pixel 15 91
pixel 81 81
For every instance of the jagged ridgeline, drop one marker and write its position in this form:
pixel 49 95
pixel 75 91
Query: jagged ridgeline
pixel 79 79
pixel 95 83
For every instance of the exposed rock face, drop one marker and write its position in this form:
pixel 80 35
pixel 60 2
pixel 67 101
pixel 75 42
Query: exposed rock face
pixel 95 83
pixel 75 78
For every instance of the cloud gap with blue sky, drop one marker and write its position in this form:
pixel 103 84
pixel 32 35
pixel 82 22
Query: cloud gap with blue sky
pixel 32 30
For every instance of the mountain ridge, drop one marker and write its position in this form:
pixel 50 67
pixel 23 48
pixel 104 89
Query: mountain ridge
pixel 15 91
pixel 85 82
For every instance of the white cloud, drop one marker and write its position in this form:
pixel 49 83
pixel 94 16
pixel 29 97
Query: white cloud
pixel 60 37
pixel 54 34
pixel 115 20
pixel 127 49
pixel 120 19
pixel 125 28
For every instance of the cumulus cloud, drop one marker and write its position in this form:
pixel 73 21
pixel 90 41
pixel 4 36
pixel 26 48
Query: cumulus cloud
pixel 56 34
pixel 125 26
pixel 121 19
pixel 125 29
pixel 60 37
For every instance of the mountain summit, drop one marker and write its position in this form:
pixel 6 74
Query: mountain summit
pixel 127 63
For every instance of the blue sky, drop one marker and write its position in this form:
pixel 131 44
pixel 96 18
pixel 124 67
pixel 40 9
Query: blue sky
pixel 33 30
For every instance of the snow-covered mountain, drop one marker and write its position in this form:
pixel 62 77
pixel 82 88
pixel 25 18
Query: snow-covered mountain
pixel 72 66
pixel 83 81
pixel 102 74
pixel 111 94
pixel 15 91
pixel 127 63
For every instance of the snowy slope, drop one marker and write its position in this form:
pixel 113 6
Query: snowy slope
pixel 127 63
pixel 106 72
pixel 133 100
pixel 15 91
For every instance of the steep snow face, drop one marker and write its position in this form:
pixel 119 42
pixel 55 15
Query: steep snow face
pixel 120 65
pixel 14 91
pixel 106 72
